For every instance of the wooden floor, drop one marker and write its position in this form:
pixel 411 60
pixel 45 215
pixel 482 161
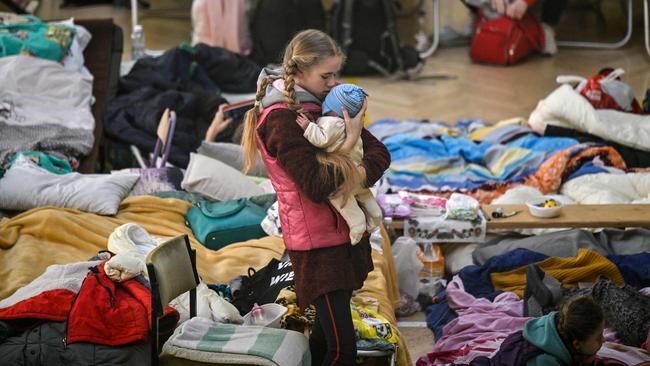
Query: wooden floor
pixel 478 91
pixel 491 93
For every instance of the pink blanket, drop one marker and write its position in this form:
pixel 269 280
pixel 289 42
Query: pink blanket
pixel 221 23
pixel 480 327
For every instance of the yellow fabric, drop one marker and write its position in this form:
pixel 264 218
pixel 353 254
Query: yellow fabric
pixel 369 324
pixel 585 267
pixel 508 157
pixel 35 239
pixel 512 121
pixel 479 134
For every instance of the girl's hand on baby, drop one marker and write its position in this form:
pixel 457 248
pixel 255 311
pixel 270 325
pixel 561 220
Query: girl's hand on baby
pixel 353 126
pixel 303 121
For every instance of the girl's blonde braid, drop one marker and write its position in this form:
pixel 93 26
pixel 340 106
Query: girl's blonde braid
pixel 290 97
pixel 249 142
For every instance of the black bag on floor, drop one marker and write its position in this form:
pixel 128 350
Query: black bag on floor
pixel 262 286
pixel 367 31
pixel 275 22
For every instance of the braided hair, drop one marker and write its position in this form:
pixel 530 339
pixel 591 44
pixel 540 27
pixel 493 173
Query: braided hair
pixel 306 49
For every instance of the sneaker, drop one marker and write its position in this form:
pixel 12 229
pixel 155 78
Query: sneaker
pixel 550 46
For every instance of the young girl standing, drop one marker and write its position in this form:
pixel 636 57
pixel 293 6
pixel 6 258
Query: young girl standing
pixel 327 268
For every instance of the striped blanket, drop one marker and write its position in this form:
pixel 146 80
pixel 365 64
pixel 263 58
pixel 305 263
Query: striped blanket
pixel 203 340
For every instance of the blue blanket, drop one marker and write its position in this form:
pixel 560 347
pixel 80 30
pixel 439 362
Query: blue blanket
pixel 437 157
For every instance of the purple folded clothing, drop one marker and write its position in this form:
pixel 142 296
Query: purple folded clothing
pixel 392 205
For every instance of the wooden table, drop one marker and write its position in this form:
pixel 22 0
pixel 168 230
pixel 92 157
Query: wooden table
pixel 571 216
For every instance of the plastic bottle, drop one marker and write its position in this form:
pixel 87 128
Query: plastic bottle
pixel 428 275
pixel 390 229
pixel 137 42
pixel 257 313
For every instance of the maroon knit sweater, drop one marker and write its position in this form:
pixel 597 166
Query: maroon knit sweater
pixel 341 267
pixel 284 140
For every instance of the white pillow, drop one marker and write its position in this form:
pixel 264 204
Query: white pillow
pixel 231 154
pixel 26 186
pixel 216 180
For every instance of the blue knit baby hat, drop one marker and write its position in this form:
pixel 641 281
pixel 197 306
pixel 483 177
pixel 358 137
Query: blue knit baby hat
pixel 349 96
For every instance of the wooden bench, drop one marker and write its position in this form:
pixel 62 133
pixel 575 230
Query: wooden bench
pixel 571 216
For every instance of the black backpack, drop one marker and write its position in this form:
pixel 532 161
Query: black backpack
pixel 275 22
pixel 263 286
pixel 366 30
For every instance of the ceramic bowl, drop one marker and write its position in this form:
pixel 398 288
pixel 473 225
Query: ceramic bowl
pixel 537 209
pixel 270 317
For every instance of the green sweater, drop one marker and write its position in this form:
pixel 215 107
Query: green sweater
pixel 542 333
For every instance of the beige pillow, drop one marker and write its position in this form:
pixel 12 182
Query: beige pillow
pixel 26 186
pixel 216 180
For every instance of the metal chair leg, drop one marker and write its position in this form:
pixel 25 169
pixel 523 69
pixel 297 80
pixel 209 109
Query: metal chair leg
pixel 436 31
pixel 646 25
pixel 610 45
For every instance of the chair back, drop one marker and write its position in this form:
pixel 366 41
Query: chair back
pixel 165 134
pixel 171 271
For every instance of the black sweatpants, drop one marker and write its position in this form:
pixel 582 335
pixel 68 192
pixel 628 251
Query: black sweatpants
pixel 332 340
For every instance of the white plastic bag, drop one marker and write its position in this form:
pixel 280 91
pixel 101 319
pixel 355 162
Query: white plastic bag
pixel 462 207
pixel 408 265
pixel 620 91
pixel 209 305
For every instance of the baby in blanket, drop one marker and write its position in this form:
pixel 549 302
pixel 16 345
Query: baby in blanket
pixel 328 133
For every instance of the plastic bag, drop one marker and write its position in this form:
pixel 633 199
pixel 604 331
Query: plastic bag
pixel 408 265
pixel 462 207
pixel 209 305
pixel 370 325
pixel 605 90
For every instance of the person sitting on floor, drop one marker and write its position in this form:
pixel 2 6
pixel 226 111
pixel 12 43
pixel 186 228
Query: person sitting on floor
pixel 626 310
pixel 550 13
pixel 571 336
